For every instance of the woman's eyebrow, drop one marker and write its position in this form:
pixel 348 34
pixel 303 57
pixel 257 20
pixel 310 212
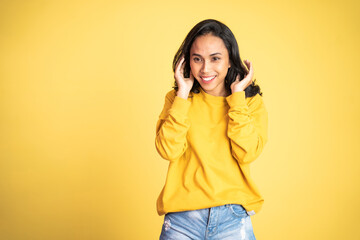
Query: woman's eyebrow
pixel 210 54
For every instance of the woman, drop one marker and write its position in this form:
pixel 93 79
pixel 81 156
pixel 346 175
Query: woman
pixel 212 126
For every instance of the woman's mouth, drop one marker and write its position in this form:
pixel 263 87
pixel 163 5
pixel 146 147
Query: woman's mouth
pixel 207 79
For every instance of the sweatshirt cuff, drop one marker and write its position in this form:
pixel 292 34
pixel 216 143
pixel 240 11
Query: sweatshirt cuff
pixel 180 106
pixel 237 99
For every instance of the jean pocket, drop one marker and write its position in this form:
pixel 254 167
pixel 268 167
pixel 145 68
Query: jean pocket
pixel 238 210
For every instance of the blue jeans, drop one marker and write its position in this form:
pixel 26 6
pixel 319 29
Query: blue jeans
pixel 226 222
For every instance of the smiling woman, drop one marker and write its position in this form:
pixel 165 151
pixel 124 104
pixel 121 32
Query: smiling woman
pixel 209 63
pixel 212 126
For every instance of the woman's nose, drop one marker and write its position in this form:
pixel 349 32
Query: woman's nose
pixel 205 67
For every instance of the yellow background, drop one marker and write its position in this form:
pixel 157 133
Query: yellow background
pixel 82 84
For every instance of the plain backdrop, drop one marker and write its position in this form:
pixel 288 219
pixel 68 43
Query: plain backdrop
pixel 82 84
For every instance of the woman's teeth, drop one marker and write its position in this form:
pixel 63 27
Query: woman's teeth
pixel 208 78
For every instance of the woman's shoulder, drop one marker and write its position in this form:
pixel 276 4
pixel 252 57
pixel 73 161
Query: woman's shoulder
pixel 170 95
pixel 171 92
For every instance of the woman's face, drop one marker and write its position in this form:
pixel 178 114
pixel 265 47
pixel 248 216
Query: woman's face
pixel 209 63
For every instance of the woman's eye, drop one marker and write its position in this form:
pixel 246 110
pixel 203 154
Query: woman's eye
pixel 196 59
pixel 216 58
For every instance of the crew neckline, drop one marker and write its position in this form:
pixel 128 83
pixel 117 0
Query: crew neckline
pixel 211 98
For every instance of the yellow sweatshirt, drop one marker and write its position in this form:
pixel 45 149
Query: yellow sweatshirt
pixel 209 142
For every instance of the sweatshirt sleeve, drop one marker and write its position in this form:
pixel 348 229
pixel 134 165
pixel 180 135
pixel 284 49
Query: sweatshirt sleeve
pixel 172 127
pixel 247 127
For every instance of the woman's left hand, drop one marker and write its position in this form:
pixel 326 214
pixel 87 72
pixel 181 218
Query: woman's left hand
pixel 238 85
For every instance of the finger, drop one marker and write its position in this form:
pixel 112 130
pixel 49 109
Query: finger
pixel 182 66
pixel 182 61
pixel 251 70
pixel 247 63
pixel 179 65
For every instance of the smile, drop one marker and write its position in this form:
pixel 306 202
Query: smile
pixel 208 79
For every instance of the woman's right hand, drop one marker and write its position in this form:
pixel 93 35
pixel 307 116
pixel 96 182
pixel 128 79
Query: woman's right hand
pixel 184 84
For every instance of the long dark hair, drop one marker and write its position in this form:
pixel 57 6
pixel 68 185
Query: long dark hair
pixel 220 30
